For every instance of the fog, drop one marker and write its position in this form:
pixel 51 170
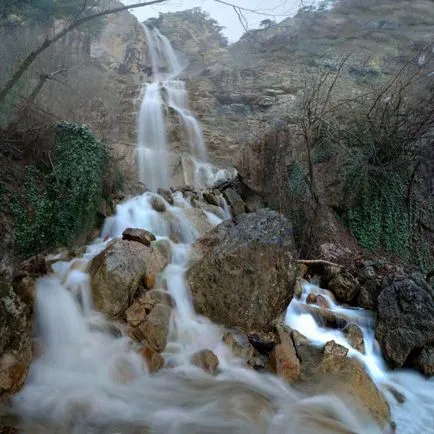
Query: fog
pixel 225 14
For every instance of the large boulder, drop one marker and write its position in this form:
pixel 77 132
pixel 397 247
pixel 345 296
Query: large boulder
pixel 244 271
pixel 117 272
pixel 405 322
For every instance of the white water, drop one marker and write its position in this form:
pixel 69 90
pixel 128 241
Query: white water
pixel 85 377
pixel 165 92
pixel 416 414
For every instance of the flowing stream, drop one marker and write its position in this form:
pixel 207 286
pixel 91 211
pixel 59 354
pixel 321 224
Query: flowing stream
pixel 88 379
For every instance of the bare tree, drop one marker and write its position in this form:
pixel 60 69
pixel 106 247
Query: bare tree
pixel 76 22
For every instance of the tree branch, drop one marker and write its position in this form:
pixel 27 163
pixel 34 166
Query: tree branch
pixel 25 64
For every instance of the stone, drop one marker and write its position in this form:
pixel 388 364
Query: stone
pixel 117 272
pixel 141 236
pixel 158 204
pixel 154 361
pixel 243 271
pixel 262 342
pixel 155 328
pixel 424 362
pixel 344 287
pixel 15 339
pixel 166 195
pixel 156 296
pixel 211 198
pixel 254 203
pixel 206 360
pixel 199 220
pixel 135 314
pixel 405 321
pixel 283 359
pixel 346 378
pixel 219 212
pixel 311 298
pixel 234 201
pixel 331 347
pixel 354 335
pixel 368 295
pixel 245 351
pixel 322 302
pixel 327 317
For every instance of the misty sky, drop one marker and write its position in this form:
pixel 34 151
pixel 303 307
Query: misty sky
pixel 225 15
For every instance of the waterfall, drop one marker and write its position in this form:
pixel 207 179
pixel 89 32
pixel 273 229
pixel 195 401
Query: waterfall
pixel 91 381
pixel 165 92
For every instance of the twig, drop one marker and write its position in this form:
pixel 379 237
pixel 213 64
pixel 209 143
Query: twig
pixel 317 261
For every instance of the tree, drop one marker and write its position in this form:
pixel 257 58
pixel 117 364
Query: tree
pixel 267 23
pixel 77 20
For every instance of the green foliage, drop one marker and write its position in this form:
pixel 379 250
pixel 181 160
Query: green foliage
pixel 298 187
pixel 326 146
pixel 60 203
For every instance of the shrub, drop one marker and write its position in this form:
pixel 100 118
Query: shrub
pixel 59 203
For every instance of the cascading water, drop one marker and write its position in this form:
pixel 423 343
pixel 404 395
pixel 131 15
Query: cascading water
pixel 86 380
pixel 153 154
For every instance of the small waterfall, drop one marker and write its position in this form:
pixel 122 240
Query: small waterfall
pixel 163 93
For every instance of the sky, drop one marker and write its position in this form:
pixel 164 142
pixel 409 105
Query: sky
pixel 225 15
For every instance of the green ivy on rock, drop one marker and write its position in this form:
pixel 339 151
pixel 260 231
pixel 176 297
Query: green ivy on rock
pixel 61 203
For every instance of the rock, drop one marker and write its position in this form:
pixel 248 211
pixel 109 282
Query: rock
pixel 206 360
pixel 136 314
pixel 311 298
pixel 243 274
pixel 283 358
pixel 246 351
pixel 424 362
pixel 212 209
pixel 141 236
pixel 156 296
pixel 262 342
pixel 344 286
pixel 154 361
pixel 211 198
pixel 368 295
pixel 322 302
pixel 199 220
pixel 331 347
pixel 327 317
pixel 117 271
pixel 346 378
pixel 234 201
pixel 15 339
pixel 405 321
pixel 155 328
pixel 354 335
pixel 166 195
pixel 158 204
pixel 254 203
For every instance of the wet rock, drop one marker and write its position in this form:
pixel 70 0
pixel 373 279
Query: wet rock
pixel 155 328
pixel 212 209
pixel 166 195
pixel 234 201
pixel 245 351
pixel 141 236
pixel 368 295
pixel 158 204
pixel 154 361
pixel 156 296
pixel 117 271
pixel 354 335
pixel 322 302
pixel 424 362
pixel 199 220
pixel 331 347
pixel 311 298
pixel 283 358
pixel 405 321
pixel 346 378
pixel 327 317
pixel 243 274
pixel 344 286
pixel 206 360
pixel 15 339
pixel 211 198
pixel 136 314
pixel 262 342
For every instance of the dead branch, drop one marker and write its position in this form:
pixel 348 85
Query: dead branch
pixel 317 261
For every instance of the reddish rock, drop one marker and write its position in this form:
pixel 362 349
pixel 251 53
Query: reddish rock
pixel 154 361
pixel 206 360
pixel 141 236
